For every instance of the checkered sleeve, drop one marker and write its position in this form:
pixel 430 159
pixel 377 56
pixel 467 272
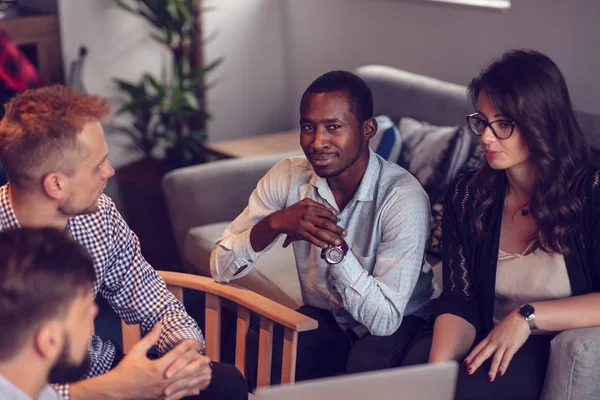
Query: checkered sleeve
pixel 62 390
pixel 101 354
pixel 135 291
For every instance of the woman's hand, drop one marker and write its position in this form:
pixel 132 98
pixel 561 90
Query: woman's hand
pixel 502 343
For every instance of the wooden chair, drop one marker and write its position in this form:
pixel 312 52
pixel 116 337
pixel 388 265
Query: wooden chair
pixel 247 301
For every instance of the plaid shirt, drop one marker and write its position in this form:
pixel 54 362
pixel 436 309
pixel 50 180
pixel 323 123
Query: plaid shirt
pixel 132 287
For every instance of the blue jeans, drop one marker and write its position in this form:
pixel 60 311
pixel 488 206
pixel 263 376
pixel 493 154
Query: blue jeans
pixel 329 350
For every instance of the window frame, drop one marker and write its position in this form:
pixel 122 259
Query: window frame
pixel 500 5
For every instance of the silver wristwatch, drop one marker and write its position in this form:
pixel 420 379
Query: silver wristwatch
pixel 335 254
pixel 527 311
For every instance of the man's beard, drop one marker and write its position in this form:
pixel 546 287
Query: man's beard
pixel 64 370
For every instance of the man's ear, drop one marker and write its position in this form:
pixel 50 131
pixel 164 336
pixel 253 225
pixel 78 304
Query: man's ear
pixel 48 340
pixel 369 128
pixel 54 185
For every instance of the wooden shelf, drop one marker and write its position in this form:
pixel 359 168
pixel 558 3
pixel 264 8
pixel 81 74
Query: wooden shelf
pixel 43 32
pixel 274 143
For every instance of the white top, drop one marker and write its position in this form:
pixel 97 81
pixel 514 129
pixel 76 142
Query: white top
pixel 8 391
pixel 520 279
pixel 384 275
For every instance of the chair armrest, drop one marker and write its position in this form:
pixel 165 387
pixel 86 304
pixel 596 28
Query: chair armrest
pixel 270 312
pixel 213 192
pixel 253 301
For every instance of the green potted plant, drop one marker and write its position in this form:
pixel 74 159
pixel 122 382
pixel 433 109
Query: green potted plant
pixel 169 113
pixel 167 117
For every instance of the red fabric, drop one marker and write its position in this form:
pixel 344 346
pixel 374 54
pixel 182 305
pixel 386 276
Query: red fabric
pixel 16 71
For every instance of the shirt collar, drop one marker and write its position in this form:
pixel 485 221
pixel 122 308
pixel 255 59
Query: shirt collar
pixel 366 189
pixel 9 389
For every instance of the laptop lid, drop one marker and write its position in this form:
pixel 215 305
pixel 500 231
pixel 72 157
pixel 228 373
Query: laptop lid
pixel 421 382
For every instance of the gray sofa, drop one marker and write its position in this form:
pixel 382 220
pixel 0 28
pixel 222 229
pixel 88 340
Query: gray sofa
pixel 203 199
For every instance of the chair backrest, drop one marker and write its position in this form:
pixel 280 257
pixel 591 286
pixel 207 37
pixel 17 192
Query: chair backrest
pixel 247 302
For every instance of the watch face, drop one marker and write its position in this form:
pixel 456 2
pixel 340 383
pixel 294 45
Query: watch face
pixel 334 255
pixel 526 310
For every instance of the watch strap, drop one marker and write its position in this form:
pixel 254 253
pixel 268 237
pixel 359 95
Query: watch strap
pixel 531 322
pixel 528 313
pixel 344 247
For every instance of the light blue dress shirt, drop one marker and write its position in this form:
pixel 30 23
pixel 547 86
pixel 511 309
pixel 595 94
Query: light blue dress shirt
pixel 8 391
pixel 384 276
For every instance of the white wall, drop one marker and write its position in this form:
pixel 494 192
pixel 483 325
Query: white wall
pixel 119 46
pixel 448 42
pixel 274 48
pixel 251 94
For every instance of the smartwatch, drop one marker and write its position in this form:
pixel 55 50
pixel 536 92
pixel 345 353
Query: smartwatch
pixel 335 254
pixel 527 312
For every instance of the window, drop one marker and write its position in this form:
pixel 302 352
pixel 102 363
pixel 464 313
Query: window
pixel 494 4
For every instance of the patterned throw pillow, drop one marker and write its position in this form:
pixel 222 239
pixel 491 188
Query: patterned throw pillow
pixel 434 155
pixel 387 142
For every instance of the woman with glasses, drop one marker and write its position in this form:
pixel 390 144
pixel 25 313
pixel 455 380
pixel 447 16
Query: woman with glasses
pixel 521 258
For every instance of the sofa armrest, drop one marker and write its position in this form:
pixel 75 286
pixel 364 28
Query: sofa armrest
pixel 572 372
pixel 213 192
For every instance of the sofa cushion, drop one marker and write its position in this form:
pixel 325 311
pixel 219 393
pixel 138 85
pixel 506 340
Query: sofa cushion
pixel 573 366
pixel 436 267
pixel 387 141
pixel 274 275
pixel 434 155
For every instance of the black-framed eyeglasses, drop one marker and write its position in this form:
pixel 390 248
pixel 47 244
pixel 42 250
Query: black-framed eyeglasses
pixel 501 128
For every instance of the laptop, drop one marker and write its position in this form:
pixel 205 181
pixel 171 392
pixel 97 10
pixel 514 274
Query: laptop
pixel 421 382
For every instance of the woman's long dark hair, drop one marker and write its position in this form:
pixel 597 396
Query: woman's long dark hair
pixel 527 87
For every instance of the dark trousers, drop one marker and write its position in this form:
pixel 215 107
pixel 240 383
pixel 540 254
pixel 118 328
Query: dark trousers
pixel 329 351
pixel 227 383
pixel 522 380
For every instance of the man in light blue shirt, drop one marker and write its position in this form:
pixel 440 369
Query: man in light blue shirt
pixel 358 225
pixel 47 312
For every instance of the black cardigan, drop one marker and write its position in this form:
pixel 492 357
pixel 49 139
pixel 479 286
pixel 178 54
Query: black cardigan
pixel 469 262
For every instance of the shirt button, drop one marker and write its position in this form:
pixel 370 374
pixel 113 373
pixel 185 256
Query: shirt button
pixel 332 278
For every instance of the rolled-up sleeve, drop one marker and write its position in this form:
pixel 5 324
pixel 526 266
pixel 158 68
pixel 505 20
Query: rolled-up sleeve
pixel 137 293
pixel 233 256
